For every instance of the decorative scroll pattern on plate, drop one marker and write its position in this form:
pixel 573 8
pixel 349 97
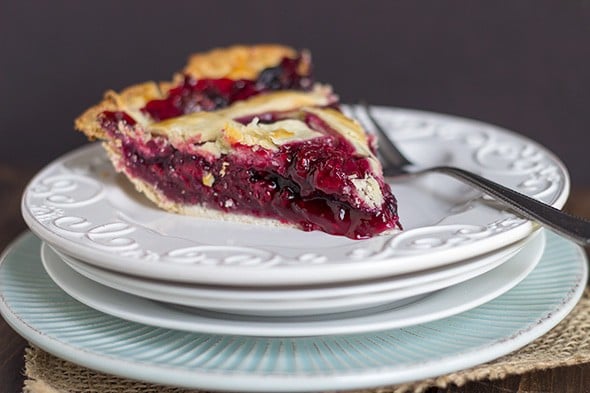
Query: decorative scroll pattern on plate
pixel 74 198
pixel 492 153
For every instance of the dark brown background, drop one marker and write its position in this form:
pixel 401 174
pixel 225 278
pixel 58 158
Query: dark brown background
pixel 520 64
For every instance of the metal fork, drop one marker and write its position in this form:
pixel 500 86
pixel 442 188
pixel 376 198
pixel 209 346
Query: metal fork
pixel 395 164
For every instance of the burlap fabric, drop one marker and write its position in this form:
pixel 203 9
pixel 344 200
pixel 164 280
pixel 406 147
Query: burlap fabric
pixel 567 344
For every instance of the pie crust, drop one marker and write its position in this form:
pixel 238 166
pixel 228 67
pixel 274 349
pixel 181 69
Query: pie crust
pixel 281 154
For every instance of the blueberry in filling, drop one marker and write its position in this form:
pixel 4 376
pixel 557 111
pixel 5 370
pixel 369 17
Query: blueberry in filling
pixel 300 183
pixel 210 94
pixel 244 133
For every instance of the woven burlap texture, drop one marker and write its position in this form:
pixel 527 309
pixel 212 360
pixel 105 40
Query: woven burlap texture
pixel 566 344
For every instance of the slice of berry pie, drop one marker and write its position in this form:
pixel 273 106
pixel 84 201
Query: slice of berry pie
pixel 244 134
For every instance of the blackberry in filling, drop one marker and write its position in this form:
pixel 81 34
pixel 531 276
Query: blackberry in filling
pixel 210 94
pixel 246 132
pixel 300 183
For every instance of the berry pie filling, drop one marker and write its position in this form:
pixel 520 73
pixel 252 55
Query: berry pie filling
pixel 244 134
pixel 296 169
pixel 207 94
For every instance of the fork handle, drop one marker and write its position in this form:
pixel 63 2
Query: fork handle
pixel 574 228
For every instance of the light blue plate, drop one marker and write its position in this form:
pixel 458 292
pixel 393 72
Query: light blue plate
pixel 42 313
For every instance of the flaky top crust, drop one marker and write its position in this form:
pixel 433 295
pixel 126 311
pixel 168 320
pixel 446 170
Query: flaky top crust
pixel 129 100
pixel 239 61
pixel 234 62
pixel 211 134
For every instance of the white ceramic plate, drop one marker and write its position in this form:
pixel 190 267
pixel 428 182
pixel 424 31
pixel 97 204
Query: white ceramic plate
pixel 80 206
pixel 443 303
pixel 298 301
pixel 42 313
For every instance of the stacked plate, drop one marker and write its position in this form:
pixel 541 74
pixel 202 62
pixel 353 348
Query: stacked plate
pixel 113 283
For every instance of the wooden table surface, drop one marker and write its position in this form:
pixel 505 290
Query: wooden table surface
pixel 12 182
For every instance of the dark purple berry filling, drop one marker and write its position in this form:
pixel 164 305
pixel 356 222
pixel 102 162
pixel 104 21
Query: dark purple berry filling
pixel 301 183
pixel 211 94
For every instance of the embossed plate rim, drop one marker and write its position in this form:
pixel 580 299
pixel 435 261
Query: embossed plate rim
pixel 299 300
pixel 265 265
pixel 440 304
pixel 525 317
